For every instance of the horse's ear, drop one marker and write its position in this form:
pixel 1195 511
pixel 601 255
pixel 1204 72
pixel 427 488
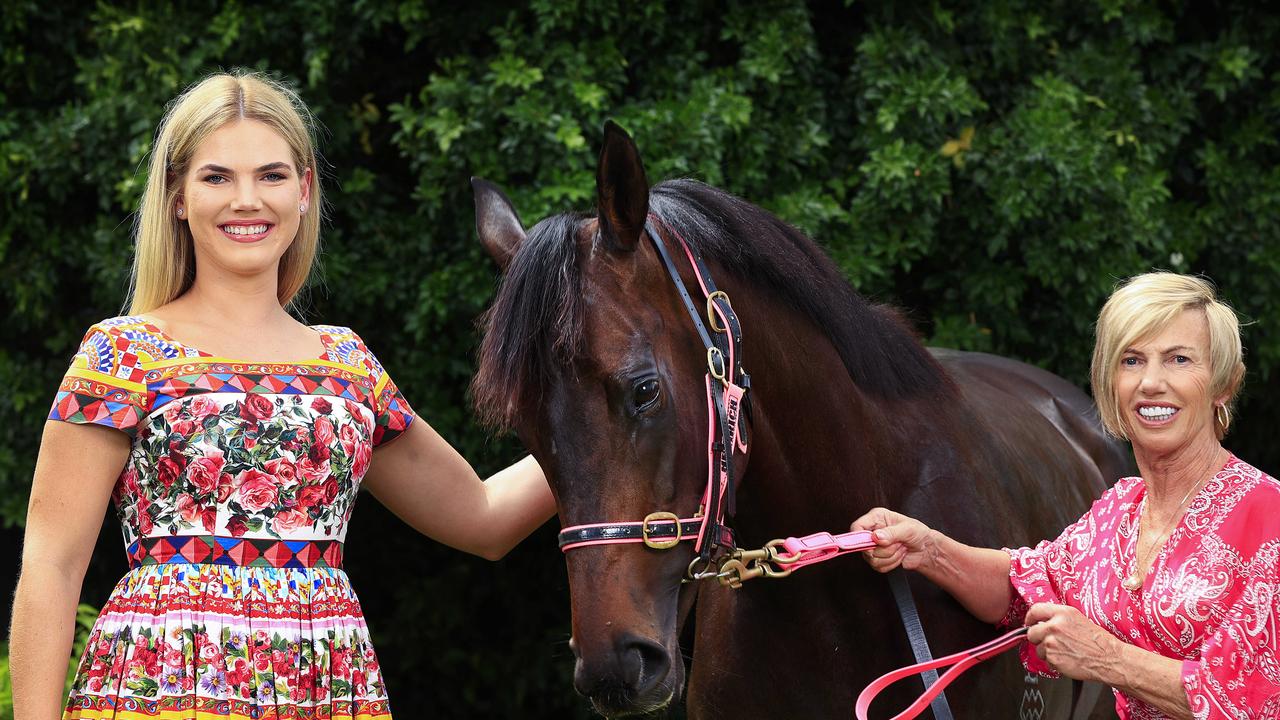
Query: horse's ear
pixel 497 224
pixel 622 190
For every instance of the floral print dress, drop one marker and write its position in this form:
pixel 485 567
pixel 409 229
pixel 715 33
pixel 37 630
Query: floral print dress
pixel 234 504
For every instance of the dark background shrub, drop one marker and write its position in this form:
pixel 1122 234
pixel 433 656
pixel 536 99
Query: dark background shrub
pixel 993 168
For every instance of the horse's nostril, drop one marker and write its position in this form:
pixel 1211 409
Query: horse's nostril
pixel 645 664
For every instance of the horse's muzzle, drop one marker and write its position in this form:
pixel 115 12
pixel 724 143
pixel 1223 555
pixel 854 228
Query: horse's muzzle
pixel 634 679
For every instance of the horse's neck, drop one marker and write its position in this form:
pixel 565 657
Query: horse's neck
pixel 823 450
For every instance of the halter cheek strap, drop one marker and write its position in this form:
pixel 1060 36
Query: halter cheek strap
pixel 727 385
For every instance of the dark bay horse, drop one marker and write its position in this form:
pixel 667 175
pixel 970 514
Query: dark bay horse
pixel 590 357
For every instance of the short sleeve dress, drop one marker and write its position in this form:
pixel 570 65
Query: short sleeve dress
pixel 1211 598
pixel 234 504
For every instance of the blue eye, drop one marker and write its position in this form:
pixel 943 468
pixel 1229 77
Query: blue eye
pixel 273 177
pixel 215 179
pixel 1129 361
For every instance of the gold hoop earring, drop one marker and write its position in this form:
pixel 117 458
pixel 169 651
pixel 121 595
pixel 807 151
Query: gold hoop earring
pixel 1223 416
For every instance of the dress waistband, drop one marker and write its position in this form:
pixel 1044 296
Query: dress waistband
pixel 238 552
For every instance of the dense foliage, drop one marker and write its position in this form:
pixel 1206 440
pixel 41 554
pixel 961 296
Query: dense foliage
pixel 993 167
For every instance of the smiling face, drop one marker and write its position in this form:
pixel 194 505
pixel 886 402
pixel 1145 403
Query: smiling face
pixel 1162 387
pixel 243 197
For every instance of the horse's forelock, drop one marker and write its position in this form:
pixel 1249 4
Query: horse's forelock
pixel 535 323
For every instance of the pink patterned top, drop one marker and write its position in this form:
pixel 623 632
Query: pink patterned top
pixel 1211 598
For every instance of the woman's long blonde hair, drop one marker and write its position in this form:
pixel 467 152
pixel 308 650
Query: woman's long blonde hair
pixel 164 259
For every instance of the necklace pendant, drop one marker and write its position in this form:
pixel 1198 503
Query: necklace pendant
pixel 1132 583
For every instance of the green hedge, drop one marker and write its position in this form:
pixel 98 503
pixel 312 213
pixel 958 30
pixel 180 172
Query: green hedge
pixel 993 167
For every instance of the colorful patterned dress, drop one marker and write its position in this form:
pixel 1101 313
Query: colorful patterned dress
pixel 1211 598
pixel 234 503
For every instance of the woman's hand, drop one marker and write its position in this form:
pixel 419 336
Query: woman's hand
pixel 900 540
pixel 1071 643
pixel 977 577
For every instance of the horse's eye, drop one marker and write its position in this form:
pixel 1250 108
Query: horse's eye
pixel 646 393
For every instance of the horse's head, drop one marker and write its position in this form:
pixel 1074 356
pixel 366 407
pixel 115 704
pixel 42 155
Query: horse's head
pixel 591 358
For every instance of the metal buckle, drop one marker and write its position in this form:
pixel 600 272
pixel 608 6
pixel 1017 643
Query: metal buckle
pixel 715 363
pixel 660 544
pixel 711 310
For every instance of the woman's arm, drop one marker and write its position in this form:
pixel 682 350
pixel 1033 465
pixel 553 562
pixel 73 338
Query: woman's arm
pixel 977 577
pixel 1079 649
pixel 426 483
pixel 77 467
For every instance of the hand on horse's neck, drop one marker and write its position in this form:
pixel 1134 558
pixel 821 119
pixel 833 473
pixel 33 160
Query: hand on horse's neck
pixel 1169 477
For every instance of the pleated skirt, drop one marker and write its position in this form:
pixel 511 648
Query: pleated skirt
pixel 185 641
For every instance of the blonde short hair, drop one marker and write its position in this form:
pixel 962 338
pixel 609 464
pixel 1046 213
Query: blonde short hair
pixel 1142 307
pixel 164 259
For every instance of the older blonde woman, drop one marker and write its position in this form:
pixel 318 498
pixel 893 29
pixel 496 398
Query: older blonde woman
pixel 1167 589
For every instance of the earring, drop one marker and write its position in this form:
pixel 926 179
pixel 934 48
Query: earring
pixel 1223 416
pixel 181 212
pixel 302 208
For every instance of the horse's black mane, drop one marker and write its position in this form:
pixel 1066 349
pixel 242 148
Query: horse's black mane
pixel 536 322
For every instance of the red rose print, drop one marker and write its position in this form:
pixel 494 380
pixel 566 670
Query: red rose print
pixel 167 470
pixel 360 460
pixel 318 453
pixel 209 518
pixel 225 485
pixel 314 471
pixel 185 428
pixel 188 509
pixel 203 473
pixel 285 472
pixel 322 406
pixel 310 496
pixel 129 481
pixel 323 431
pixel 145 525
pixel 202 407
pixel 349 437
pixel 257 407
pixel 256 490
pixel 330 490
pixel 289 520
pixel 237 528
pixel 172 412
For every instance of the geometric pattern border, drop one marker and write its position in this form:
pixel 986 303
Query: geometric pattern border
pixel 95 707
pixel 237 552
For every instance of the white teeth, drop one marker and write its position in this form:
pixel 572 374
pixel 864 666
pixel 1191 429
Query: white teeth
pixel 245 229
pixel 1156 413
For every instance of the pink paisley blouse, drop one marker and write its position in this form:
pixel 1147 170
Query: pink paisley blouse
pixel 1210 599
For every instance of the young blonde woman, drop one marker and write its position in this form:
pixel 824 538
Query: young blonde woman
pixel 232 440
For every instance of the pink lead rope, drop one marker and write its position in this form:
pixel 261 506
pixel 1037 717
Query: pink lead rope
pixel 959 662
